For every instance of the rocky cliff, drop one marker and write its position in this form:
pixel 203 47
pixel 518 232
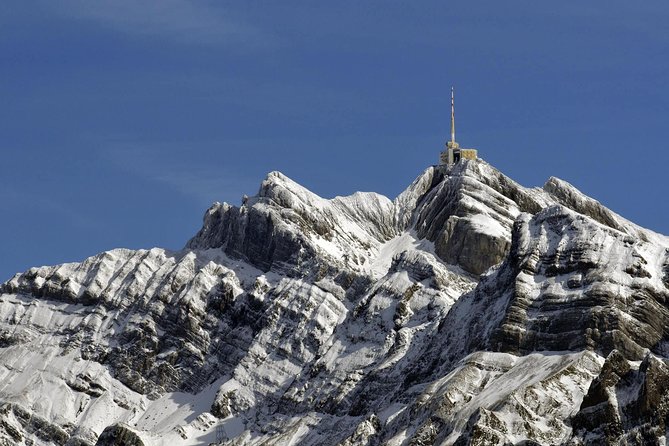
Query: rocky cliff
pixel 468 310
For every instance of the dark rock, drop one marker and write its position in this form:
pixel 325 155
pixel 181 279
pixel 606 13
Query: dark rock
pixel 321 334
pixel 464 244
pixel 30 423
pixel 119 435
pixel 625 405
pixel 444 214
pixel 483 428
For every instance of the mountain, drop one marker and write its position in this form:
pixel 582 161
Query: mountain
pixel 468 310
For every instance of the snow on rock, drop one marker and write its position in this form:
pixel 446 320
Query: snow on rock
pixel 493 396
pixel 577 279
pixel 388 251
pixel 468 310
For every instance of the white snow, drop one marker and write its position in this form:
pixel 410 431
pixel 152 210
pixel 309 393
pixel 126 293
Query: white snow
pixel 318 342
pixel 488 225
pixel 380 264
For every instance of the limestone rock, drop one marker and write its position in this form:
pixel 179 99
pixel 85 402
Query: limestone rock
pixel 119 435
pixel 468 310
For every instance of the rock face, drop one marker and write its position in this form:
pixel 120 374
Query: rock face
pixel 469 310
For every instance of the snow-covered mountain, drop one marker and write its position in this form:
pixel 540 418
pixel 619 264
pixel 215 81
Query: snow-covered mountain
pixel 469 310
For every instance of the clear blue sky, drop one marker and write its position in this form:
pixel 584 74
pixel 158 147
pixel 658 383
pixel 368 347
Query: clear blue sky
pixel 121 121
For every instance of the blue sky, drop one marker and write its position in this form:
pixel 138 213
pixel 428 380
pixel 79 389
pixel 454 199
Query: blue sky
pixel 122 121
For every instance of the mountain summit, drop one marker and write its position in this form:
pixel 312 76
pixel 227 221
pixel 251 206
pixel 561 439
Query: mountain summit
pixel 468 310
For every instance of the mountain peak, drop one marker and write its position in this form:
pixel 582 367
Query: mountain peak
pixel 353 320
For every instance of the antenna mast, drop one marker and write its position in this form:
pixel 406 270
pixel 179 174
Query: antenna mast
pixel 452 115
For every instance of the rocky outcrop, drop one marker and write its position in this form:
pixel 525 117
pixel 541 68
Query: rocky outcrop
pixel 286 227
pixel 119 435
pixel 579 284
pixel 570 197
pixel 627 403
pixel 469 310
pixel 468 212
pixel 17 424
pixel 468 243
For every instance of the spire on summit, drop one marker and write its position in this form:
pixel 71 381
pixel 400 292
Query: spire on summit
pixel 453 152
pixel 452 115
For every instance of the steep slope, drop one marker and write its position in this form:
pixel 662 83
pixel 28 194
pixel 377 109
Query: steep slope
pixel 469 310
pixel 286 226
pixel 570 293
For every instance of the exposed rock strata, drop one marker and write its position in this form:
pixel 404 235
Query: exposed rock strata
pixel 469 310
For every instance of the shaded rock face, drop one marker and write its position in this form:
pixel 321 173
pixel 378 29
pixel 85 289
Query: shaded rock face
pixel 252 233
pixel 157 341
pixel 119 435
pixel 466 211
pixel 579 285
pixel 18 425
pixel 625 404
pixel 469 216
pixel 286 226
pixel 469 310
pixel 462 243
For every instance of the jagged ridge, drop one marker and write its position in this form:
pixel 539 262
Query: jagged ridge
pixel 469 309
